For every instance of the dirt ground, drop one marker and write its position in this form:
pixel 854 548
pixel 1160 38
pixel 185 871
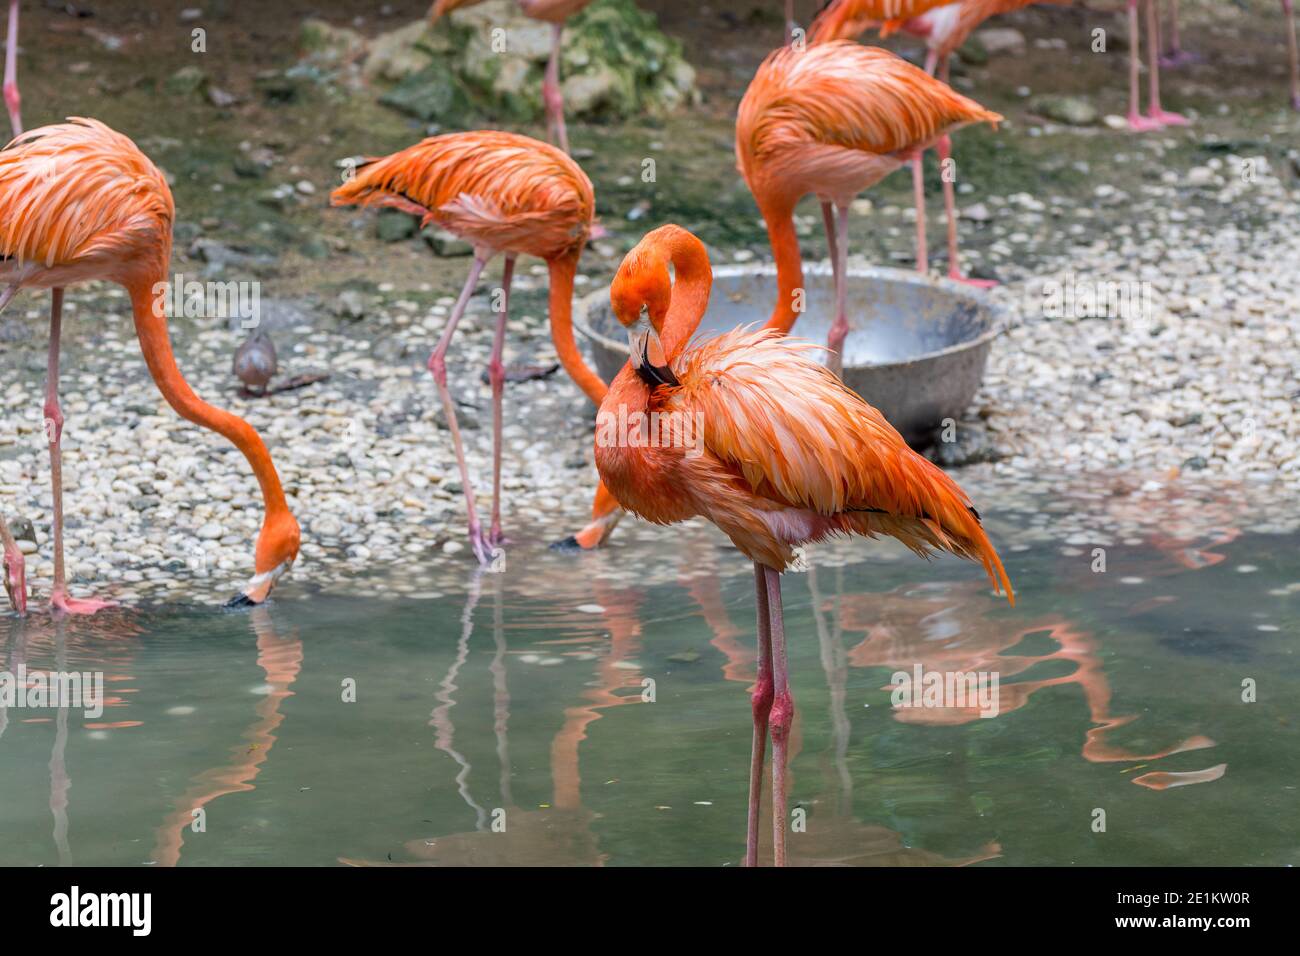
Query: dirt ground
pixel 112 58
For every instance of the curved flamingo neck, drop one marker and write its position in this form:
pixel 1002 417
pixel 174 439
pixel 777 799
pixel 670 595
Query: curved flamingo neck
pixel 151 328
pixel 692 285
pixel 562 273
pixel 789 264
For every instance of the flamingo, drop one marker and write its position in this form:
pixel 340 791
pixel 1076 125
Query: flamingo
pixel 503 193
pixel 554 12
pixel 833 120
pixel 782 454
pixel 79 201
pixel 945 25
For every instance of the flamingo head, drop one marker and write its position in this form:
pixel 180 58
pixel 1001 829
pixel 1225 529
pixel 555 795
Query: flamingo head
pixel 15 579
pixel 277 549
pixel 640 295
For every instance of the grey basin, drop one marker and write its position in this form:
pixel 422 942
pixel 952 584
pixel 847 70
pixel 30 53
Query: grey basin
pixel 916 349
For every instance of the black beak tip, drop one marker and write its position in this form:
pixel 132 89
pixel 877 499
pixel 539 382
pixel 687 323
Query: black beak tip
pixel 241 600
pixel 566 544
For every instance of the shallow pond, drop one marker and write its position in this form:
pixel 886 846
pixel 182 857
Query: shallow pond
pixel 518 701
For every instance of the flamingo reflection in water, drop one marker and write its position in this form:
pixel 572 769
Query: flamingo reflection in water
pixel 939 627
pixel 280 659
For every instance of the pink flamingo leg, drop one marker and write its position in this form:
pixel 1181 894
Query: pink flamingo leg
pixel 781 715
pixel 1154 111
pixel 552 95
pixel 1136 121
pixel 1174 54
pixel 950 206
pixel 59 598
pixel 1293 55
pixel 15 581
pixel 497 376
pixel 13 101
pixel 438 366
pixel 761 704
pixel 840 328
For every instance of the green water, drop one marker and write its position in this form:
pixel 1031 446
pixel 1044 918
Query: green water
pixel 518 701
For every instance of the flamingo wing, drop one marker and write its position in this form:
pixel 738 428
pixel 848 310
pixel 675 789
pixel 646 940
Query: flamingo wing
pixel 847 95
pixel 76 191
pixel 799 437
pixel 846 19
pixel 501 189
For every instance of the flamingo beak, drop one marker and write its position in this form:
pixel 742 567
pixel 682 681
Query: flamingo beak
pixel 259 586
pixel 647 354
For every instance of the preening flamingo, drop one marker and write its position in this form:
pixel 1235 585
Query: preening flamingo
pixel 945 25
pixel 554 12
pixel 503 193
pixel 751 433
pixel 833 120
pixel 78 202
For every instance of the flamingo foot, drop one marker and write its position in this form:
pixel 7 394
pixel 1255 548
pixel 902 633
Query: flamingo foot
pixel 1166 118
pixel 1143 124
pixel 956 276
pixel 60 601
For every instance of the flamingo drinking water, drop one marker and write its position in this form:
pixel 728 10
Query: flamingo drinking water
pixel 78 202
pixel 748 431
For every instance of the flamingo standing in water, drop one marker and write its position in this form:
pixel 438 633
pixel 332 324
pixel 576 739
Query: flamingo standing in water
pixel 833 120
pixel 78 202
pixel 554 12
pixel 767 444
pixel 503 193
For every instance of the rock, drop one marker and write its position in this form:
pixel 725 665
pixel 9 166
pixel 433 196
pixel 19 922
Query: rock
pixel 1195 463
pixel 399 53
pixel 278 87
pixel 145 502
pixel 976 212
pixel 186 81
pixel 22 529
pixel 393 225
pixel 246 167
pixel 350 304
pixel 221 98
pixel 1071 110
pixel 210 531
pixel 971 446
pixel 1200 176
pixel 446 244
pixel 1001 41
pixel 324 43
pixel 600 90
pixel 432 94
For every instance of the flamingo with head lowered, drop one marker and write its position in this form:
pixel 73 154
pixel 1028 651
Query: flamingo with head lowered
pixel 78 202
pixel 832 120
pixel 750 432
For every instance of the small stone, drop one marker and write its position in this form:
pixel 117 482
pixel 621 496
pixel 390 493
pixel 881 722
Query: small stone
pixel 393 225
pixel 350 304
pixel 210 531
pixel 446 244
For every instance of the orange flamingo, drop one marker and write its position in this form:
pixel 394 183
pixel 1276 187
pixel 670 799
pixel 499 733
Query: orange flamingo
pixel 833 120
pixel 945 25
pixel 78 202
pixel 554 12
pixel 748 431
pixel 503 193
